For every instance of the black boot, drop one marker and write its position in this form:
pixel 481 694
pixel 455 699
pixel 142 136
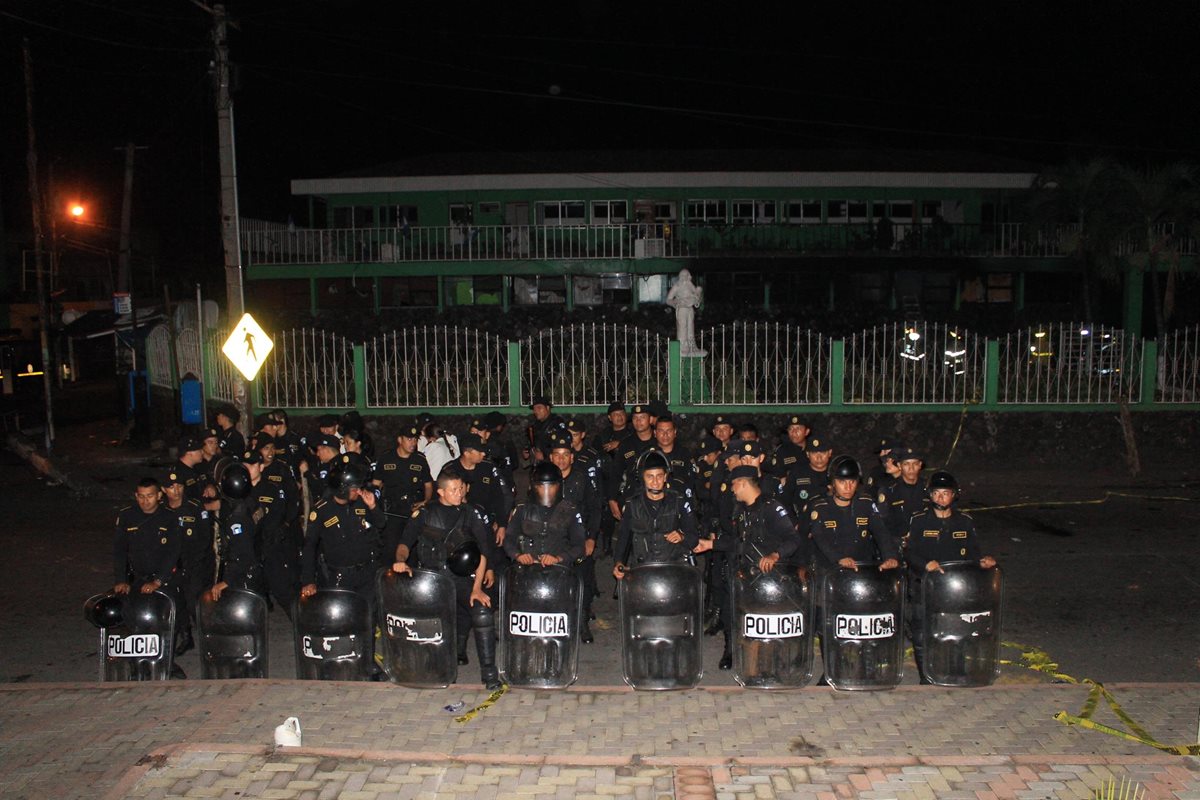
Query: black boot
pixel 462 647
pixel 483 621
pixel 585 633
pixel 726 661
pixel 184 642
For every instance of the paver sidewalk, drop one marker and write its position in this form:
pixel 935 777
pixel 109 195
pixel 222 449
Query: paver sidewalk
pixel 68 740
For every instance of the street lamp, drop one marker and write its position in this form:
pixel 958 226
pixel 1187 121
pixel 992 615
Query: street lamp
pixel 76 210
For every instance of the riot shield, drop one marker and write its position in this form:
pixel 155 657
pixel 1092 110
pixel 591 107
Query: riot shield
pixel 333 636
pixel 140 648
pixel 962 624
pixel 417 615
pixel 233 635
pixel 540 609
pixel 863 636
pixel 661 607
pixel 772 643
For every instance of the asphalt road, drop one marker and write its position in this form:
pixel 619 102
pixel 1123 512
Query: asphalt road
pixel 1111 591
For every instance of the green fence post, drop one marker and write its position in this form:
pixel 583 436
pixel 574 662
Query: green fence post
pixel 674 374
pixel 991 374
pixel 360 377
pixel 514 375
pixel 837 374
pixel 312 296
pixel 1149 393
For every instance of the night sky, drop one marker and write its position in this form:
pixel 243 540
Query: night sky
pixel 324 87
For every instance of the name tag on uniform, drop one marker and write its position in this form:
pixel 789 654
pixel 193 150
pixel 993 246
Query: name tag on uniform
pixel 276 478
pixel 831 523
pixel 389 467
pixel 362 512
pixel 932 534
pixel 266 499
pixel 959 534
pixel 789 460
pixel 860 521
pixel 415 467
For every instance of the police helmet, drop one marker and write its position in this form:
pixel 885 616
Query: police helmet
pixel 942 480
pixel 653 459
pixel 464 559
pixel 845 468
pixel 235 481
pixel 103 610
pixel 347 474
pixel 545 483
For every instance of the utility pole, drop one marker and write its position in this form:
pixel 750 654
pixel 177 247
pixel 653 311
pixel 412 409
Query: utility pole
pixel 35 199
pixel 124 282
pixel 230 222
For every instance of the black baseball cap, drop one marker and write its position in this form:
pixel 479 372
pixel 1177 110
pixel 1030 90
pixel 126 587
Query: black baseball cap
pixel 495 419
pixel 471 441
pixel 615 405
pixel 641 409
pixel 721 419
pixel 906 454
pixel 251 457
pixel 541 400
pixel 168 478
pixel 751 449
pixel 325 440
pixel 189 443
pixel 327 421
pixel 409 432
pixel 797 420
pixel 818 444
pixel 710 444
pixel 744 471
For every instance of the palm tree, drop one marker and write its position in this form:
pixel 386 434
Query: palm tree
pixel 1074 202
pixel 1154 208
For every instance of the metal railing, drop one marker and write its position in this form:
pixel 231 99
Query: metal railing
pixel 308 369
pixel 436 366
pixel 1178 367
pixel 187 352
pixel 276 244
pixel 914 363
pixel 594 364
pixel 460 243
pixel 757 363
pixel 1070 363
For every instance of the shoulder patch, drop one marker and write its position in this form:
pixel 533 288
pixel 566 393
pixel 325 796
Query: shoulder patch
pixel 235 529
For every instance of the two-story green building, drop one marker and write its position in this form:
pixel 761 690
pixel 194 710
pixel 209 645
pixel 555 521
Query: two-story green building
pixel 914 230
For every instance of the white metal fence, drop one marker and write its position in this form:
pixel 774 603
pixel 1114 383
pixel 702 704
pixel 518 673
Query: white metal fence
pixel 158 358
pixel 594 364
pixel 308 369
pixel 757 363
pixel 187 352
pixel 436 366
pixel 1179 367
pixel 220 375
pixel 914 362
pixel 1070 363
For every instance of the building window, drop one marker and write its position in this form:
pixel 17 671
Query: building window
pixel 930 210
pixel 753 211
pixel 901 210
pixel 561 212
pixel 353 217
pixel 835 210
pixel 461 213
pixel 490 207
pixel 856 210
pixel 398 216
pixel 609 212
pixel 803 211
pixel 664 211
pixel 706 212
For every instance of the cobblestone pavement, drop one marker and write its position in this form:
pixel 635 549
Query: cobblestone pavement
pixel 212 739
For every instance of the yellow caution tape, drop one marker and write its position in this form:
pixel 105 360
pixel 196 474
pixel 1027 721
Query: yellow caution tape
pixel 1107 496
pixel 962 418
pixel 1040 661
pixel 491 701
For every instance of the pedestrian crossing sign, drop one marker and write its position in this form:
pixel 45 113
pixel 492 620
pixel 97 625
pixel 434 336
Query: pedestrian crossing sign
pixel 247 346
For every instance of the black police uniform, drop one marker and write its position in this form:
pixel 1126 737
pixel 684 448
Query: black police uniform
pixel 537 530
pixel 899 501
pixel 645 524
pixel 342 546
pixel 486 489
pixel 146 548
pixel 279 543
pixel 238 564
pixel 433 533
pixel 723 505
pixel 317 478
pixel 629 454
pixel 783 467
pixel 932 538
pixel 854 531
pixel 582 488
pixel 540 432
pixel 231 442
pixel 684 476
pixel 403 479
pixel 804 486
pixel 291 449
pixel 197 554
pixel 760 528
pixel 193 481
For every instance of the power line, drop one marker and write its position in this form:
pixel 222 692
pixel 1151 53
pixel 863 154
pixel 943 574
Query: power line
pixel 99 39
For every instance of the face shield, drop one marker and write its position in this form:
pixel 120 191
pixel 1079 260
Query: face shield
pixel 546 494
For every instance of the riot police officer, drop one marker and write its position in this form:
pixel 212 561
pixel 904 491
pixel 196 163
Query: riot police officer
pixel 543 425
pixel 486 489
pixel 316 471
pixel 887 470
pixel 810 479
pixel 936 534
pixel 342 542
pixel 278 508
pixel 580 485
pixel 190 457
pixel 290 447
pixel 764 534
pixel 683 467
pixel 451 535
pixel 237 564
pixel 231 441
pixel 658 524
pixel 549 529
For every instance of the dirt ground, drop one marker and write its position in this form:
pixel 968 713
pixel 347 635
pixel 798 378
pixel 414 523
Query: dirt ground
pixel 1102 571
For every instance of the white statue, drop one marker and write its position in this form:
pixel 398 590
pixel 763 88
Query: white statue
pixel 685 297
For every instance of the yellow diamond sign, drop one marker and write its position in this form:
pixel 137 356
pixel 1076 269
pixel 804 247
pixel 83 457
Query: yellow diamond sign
pixel 247 347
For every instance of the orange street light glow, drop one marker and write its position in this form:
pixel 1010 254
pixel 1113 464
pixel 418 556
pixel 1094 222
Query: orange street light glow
pixel 77 210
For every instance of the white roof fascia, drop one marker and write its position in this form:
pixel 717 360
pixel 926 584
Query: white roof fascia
pixel 652 180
